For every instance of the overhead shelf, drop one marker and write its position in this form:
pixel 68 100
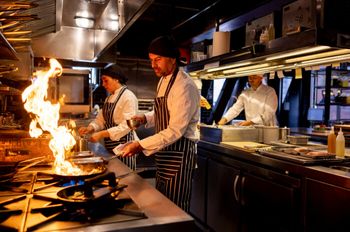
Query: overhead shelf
pixel 7 52
pixel 300 50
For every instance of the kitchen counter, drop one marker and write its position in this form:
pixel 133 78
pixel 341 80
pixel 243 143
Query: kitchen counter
pixel 161 213
pixel 319 136
pixel 238 189
pixel 319 172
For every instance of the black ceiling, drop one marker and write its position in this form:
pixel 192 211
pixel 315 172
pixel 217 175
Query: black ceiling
pixel 185 19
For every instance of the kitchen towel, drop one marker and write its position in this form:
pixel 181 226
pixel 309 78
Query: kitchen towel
pixel 221 42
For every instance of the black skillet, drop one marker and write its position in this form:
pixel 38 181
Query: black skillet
pixel 9 169
pixel 90 167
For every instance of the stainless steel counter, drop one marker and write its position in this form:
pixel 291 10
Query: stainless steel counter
pixel 318 172
pixel 162 214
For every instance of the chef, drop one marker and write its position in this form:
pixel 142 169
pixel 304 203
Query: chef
pixel 175 117
pixel 110 123
pixel 259 103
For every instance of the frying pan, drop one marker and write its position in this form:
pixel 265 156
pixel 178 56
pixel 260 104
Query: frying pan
pixel 9 169
pixel 90 167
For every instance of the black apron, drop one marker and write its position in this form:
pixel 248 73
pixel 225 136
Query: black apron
pixel 175 163
pixel 108 110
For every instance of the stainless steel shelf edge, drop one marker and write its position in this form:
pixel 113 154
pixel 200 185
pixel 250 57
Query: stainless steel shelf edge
pixel 7 52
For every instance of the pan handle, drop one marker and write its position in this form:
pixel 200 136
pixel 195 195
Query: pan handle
pixel 88 189
pixel 110 176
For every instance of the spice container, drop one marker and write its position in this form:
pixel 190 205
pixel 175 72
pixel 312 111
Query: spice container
pixel 298 139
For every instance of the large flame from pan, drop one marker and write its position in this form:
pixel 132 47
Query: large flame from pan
pixel 46 116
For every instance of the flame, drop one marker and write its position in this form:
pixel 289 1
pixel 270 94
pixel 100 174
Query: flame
pixel 46 115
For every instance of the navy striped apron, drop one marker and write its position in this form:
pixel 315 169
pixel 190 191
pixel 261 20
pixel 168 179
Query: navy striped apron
pixel 108 110
pixel 175 163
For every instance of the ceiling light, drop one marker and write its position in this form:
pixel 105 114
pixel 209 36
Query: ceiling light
pixel 84 22
pixel 299 52
pixel 245 68
pixel 319 55
pixel 327 60
pixel 229 66
pixel 113 25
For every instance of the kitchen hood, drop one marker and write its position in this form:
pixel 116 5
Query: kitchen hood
pixel 73 40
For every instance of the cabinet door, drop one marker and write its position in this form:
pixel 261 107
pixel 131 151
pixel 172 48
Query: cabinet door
pixel 222 202
pixel 268 206
pixel 327 207
pixel 198 195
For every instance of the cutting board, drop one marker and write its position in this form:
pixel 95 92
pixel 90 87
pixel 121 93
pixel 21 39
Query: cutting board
pixel 248 145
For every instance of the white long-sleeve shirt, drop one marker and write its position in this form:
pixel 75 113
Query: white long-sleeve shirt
pixel 259 106
pixel 183 105
pixel 125 108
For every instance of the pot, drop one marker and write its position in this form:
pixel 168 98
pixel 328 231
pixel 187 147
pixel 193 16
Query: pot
pixel 271 134
pixel 284 132
pixel 81 144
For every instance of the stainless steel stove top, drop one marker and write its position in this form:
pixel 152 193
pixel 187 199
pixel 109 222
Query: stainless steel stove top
pixel 29 202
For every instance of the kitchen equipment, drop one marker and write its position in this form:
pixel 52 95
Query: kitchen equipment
pixel 298 139
pixel 9 169
pixel 88 191
pixel 90 167
pixel 300 159
pixel 284 132
pixel 93 165
pixel 82 144
pixel 228 133
pixel 133 124
pixel 260 129
pixel 270 134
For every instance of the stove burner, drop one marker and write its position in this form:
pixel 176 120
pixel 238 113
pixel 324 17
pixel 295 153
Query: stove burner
pixel 39 205
pixel 83 213
pixel 6 213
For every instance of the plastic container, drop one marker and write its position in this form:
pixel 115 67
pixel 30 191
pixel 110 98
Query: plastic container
pixel 331 142
pixel 340 144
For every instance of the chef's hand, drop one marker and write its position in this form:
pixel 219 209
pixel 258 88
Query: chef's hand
pixel 245 123
pixel 204 103
pixel 131 149
pixel 140 117
pixel 85 130
pixel 222 121
pixel 95 137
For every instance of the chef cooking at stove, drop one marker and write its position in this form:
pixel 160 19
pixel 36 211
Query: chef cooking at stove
pixel 259 103
pixel 110 123
pixel 175 117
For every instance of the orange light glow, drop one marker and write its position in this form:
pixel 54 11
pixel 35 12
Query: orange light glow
pixel 46 117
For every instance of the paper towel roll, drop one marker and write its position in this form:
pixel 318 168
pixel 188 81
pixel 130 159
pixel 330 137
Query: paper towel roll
pixel 221 42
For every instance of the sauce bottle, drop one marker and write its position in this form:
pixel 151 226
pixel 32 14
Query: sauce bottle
pixel 331 142
pixel 340 144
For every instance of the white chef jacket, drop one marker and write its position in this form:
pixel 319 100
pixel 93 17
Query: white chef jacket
pixel 183 104
pixel 125 108
pixel 260 106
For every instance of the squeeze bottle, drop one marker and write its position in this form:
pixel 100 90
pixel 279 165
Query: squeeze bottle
pixel 331 142
pixel 340 144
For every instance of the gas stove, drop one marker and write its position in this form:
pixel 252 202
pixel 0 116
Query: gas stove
pixel 30 201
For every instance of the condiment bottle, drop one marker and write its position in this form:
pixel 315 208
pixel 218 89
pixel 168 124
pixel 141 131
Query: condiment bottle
pixel 331 142
pixel 340 144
